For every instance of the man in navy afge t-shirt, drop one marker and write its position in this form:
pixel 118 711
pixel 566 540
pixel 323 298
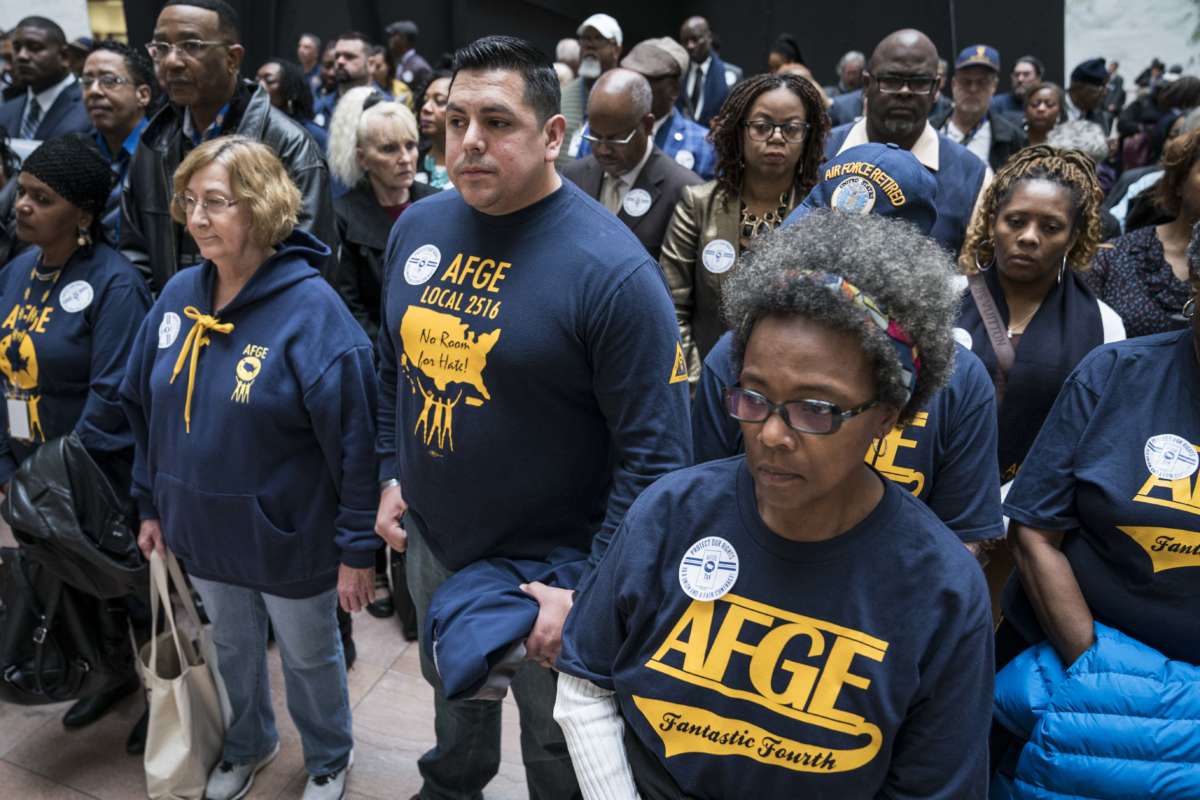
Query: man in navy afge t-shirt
pixel 532 384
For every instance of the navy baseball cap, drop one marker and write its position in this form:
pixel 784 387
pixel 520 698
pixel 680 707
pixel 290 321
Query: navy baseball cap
pixel 979 55
pixel 872 178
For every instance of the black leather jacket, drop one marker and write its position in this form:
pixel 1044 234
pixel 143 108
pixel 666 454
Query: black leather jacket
pixel 1007 136
pixel 149 237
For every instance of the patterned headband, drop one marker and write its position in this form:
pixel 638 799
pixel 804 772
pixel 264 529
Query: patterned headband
pixel 910 359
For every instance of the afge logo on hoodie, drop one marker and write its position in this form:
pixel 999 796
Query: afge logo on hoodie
pixel 421 265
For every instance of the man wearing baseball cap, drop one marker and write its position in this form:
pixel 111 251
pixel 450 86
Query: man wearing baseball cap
pixel 663 62
pixel 971 121
pixel 943 457
pixel 600 41
pixel 1085 95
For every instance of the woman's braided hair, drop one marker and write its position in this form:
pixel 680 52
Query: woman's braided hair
pixel 1070 169
pixel 727 130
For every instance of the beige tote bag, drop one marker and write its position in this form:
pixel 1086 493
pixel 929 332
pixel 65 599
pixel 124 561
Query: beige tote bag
pixel 184 738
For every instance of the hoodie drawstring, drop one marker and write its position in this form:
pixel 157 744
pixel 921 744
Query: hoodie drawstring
pixel 197 338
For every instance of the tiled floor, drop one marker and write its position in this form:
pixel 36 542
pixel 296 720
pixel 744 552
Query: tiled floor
pixel 393 725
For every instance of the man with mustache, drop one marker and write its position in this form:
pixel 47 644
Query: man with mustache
pixel 197 57
pixel 532 383
pixel 901 85
pixel 352 68
pixel 600 40
pixel 52 103
pixel 973 120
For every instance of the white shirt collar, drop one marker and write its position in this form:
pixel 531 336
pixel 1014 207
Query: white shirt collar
pixel 925 150
pixel 658 123
pixel 46 97
pixel 630 178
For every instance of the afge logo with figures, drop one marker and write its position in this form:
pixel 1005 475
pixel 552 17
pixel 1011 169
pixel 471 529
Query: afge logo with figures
pixel 709 569
pixel 247 371
pixel 421 265
pixel 1170 457
pixel 854 195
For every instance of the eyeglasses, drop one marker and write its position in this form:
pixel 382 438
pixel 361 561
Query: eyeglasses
pixel 192 48
pixel 760 130
pixel 604 140
pixel 917 84
pixel 106 81
pixel 214 205
pixel 805 416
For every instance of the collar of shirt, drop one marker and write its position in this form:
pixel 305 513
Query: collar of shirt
pixel 956 135
pixel 128 147
pixel 925 150
pixel 46 97
pixel 658 123
pixel 630 178
pixel 409 53
pixel 213 130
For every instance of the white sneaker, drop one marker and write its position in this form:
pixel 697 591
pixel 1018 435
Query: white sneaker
pixel 232 781
pixel 331 786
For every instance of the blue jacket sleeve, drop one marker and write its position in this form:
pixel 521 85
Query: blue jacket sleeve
pixel 966 489
pixel 633 341
pixel 135 399
pixel 385 436
pixel 715 434
pixel 102 425
pixel 341 405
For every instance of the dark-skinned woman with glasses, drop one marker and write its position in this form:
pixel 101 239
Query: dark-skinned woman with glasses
pixel 759 627
pixel 769 138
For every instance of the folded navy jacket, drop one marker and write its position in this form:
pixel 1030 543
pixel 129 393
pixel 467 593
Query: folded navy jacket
pixel 479 619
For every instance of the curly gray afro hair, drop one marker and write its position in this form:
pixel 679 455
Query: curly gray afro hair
pixel 907 274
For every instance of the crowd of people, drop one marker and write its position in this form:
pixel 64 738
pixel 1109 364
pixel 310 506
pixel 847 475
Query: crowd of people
pixel 763 437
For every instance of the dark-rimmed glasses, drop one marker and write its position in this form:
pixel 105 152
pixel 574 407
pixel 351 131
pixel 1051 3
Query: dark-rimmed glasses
pixel 818 417
pixel 894 84
pixel 760 130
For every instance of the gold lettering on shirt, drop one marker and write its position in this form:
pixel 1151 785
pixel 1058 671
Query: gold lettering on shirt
pixel 795 666
pixel 882 456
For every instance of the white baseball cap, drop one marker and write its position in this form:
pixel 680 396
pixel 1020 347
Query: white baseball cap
pixel 604 24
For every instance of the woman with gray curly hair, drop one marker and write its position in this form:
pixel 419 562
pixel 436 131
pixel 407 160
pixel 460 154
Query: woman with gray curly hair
pixel 1104 521
pixel 790 606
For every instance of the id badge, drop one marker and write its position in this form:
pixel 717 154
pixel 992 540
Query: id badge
pixel 18 419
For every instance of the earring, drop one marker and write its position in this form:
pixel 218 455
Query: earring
pixel 1062 269
pixel 979 266
pixel 1189 308
pixel 85 238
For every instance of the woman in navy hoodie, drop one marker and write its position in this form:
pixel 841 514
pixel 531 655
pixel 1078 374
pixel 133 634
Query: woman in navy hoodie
pixel 251 391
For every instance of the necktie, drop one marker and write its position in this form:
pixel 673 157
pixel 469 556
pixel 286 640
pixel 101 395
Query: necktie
pixel 611 195
pixel 697 90
pixel 33 115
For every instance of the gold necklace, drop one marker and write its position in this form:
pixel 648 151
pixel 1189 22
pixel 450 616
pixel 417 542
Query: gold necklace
pixel 753 225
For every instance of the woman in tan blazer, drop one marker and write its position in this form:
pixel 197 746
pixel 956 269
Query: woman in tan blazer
pixel 770 139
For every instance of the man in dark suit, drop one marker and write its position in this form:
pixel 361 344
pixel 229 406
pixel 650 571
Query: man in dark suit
pixel 634 179
pixel 972 121
pixel 52 103
pixel 709 79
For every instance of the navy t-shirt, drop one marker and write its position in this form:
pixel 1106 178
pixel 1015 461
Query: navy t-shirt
pixel 63 359
pixel 1115 469
pixel 860 666
pixel 946 456
pixel 532 381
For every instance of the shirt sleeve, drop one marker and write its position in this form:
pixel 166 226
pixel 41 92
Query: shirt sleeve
pixel 941 750
pixel 715 434
pixel 1043 494
pixel 341 405
pixel 136 401
pixel 385 427
pixel 633 344
pixel 102 426
pixel 966 490
pixel 678 262
pixel 594 730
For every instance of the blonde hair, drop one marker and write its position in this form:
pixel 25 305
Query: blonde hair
pixel 343 135
pixel 390 114
pixel 257 180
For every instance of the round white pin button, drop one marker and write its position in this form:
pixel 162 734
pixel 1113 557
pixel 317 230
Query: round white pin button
pixel 168 330
pixel 718 256
pixel 685 158
pixel 76 296
pixel 636 202
pixel 1170 457
pixel 421 265
pixel 708 569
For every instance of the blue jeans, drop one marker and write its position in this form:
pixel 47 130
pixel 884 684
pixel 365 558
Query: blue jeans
pixel 314 672
pixel 467 754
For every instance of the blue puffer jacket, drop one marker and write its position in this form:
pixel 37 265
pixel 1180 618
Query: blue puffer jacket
pixel 1122 722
